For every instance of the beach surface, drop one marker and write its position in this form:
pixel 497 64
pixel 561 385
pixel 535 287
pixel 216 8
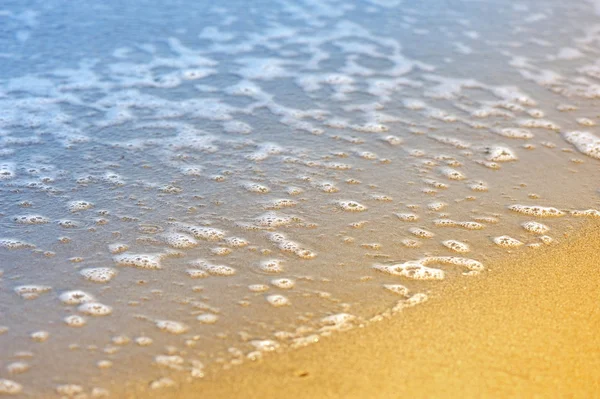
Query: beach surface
pixel 526 328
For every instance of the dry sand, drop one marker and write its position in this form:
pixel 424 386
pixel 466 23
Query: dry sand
pixel 529 327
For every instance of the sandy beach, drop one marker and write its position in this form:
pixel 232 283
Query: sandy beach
pixel 526 328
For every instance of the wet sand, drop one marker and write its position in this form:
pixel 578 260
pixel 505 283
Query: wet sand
pixel 526 328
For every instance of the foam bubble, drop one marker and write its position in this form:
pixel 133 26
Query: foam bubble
pixel 207 318
pixel 174 362
pixel 162 383
pixel 500 154
pixel 141 261
pixel 351 206
pixel 258 287
pixel 16 368
pixel 104 364
pixel 478 186
pixel 40 336
pixel 421 233
pixel 277 300
pixel 281 203
pixel 179 240
pixel 586 142
pixel 221 251
pixel 172 327
pixel 452 174
pixel 534 210
pixel 507 242
pixel 98 274
pixel 76 297
pixel 9 387
pixel 592 213
pixel 407 217
pixel 271 266
pixel 540 124
pixel 256 188
pixel 265 345
pixel 283 283
pixel 75 321
pixel 69 390
pixel 339 322
pixel 410 243
pixel 456 246
pixel 392 140
pixel 436 206
pixel 273 219
pixel 472 265
pixel 236 242
pixel 7 171
pixel 11 243
pixel 197 273
pixel 95 309
pixel 31 219
pixel 117 248
pixel 396 289
pixel 31 291
pixel 327 187
pixel 413 270
pixel 213 270
pixel 144 341
pixel 76 206
pixel 203 233
pixel 535 227
pixel 515 133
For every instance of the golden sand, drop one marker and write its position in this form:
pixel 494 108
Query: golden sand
pixel 529 327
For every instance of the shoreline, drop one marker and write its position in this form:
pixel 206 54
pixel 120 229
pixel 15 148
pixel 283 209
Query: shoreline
pixel 525 328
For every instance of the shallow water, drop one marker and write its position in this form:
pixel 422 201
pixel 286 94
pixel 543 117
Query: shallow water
pixel 186 189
